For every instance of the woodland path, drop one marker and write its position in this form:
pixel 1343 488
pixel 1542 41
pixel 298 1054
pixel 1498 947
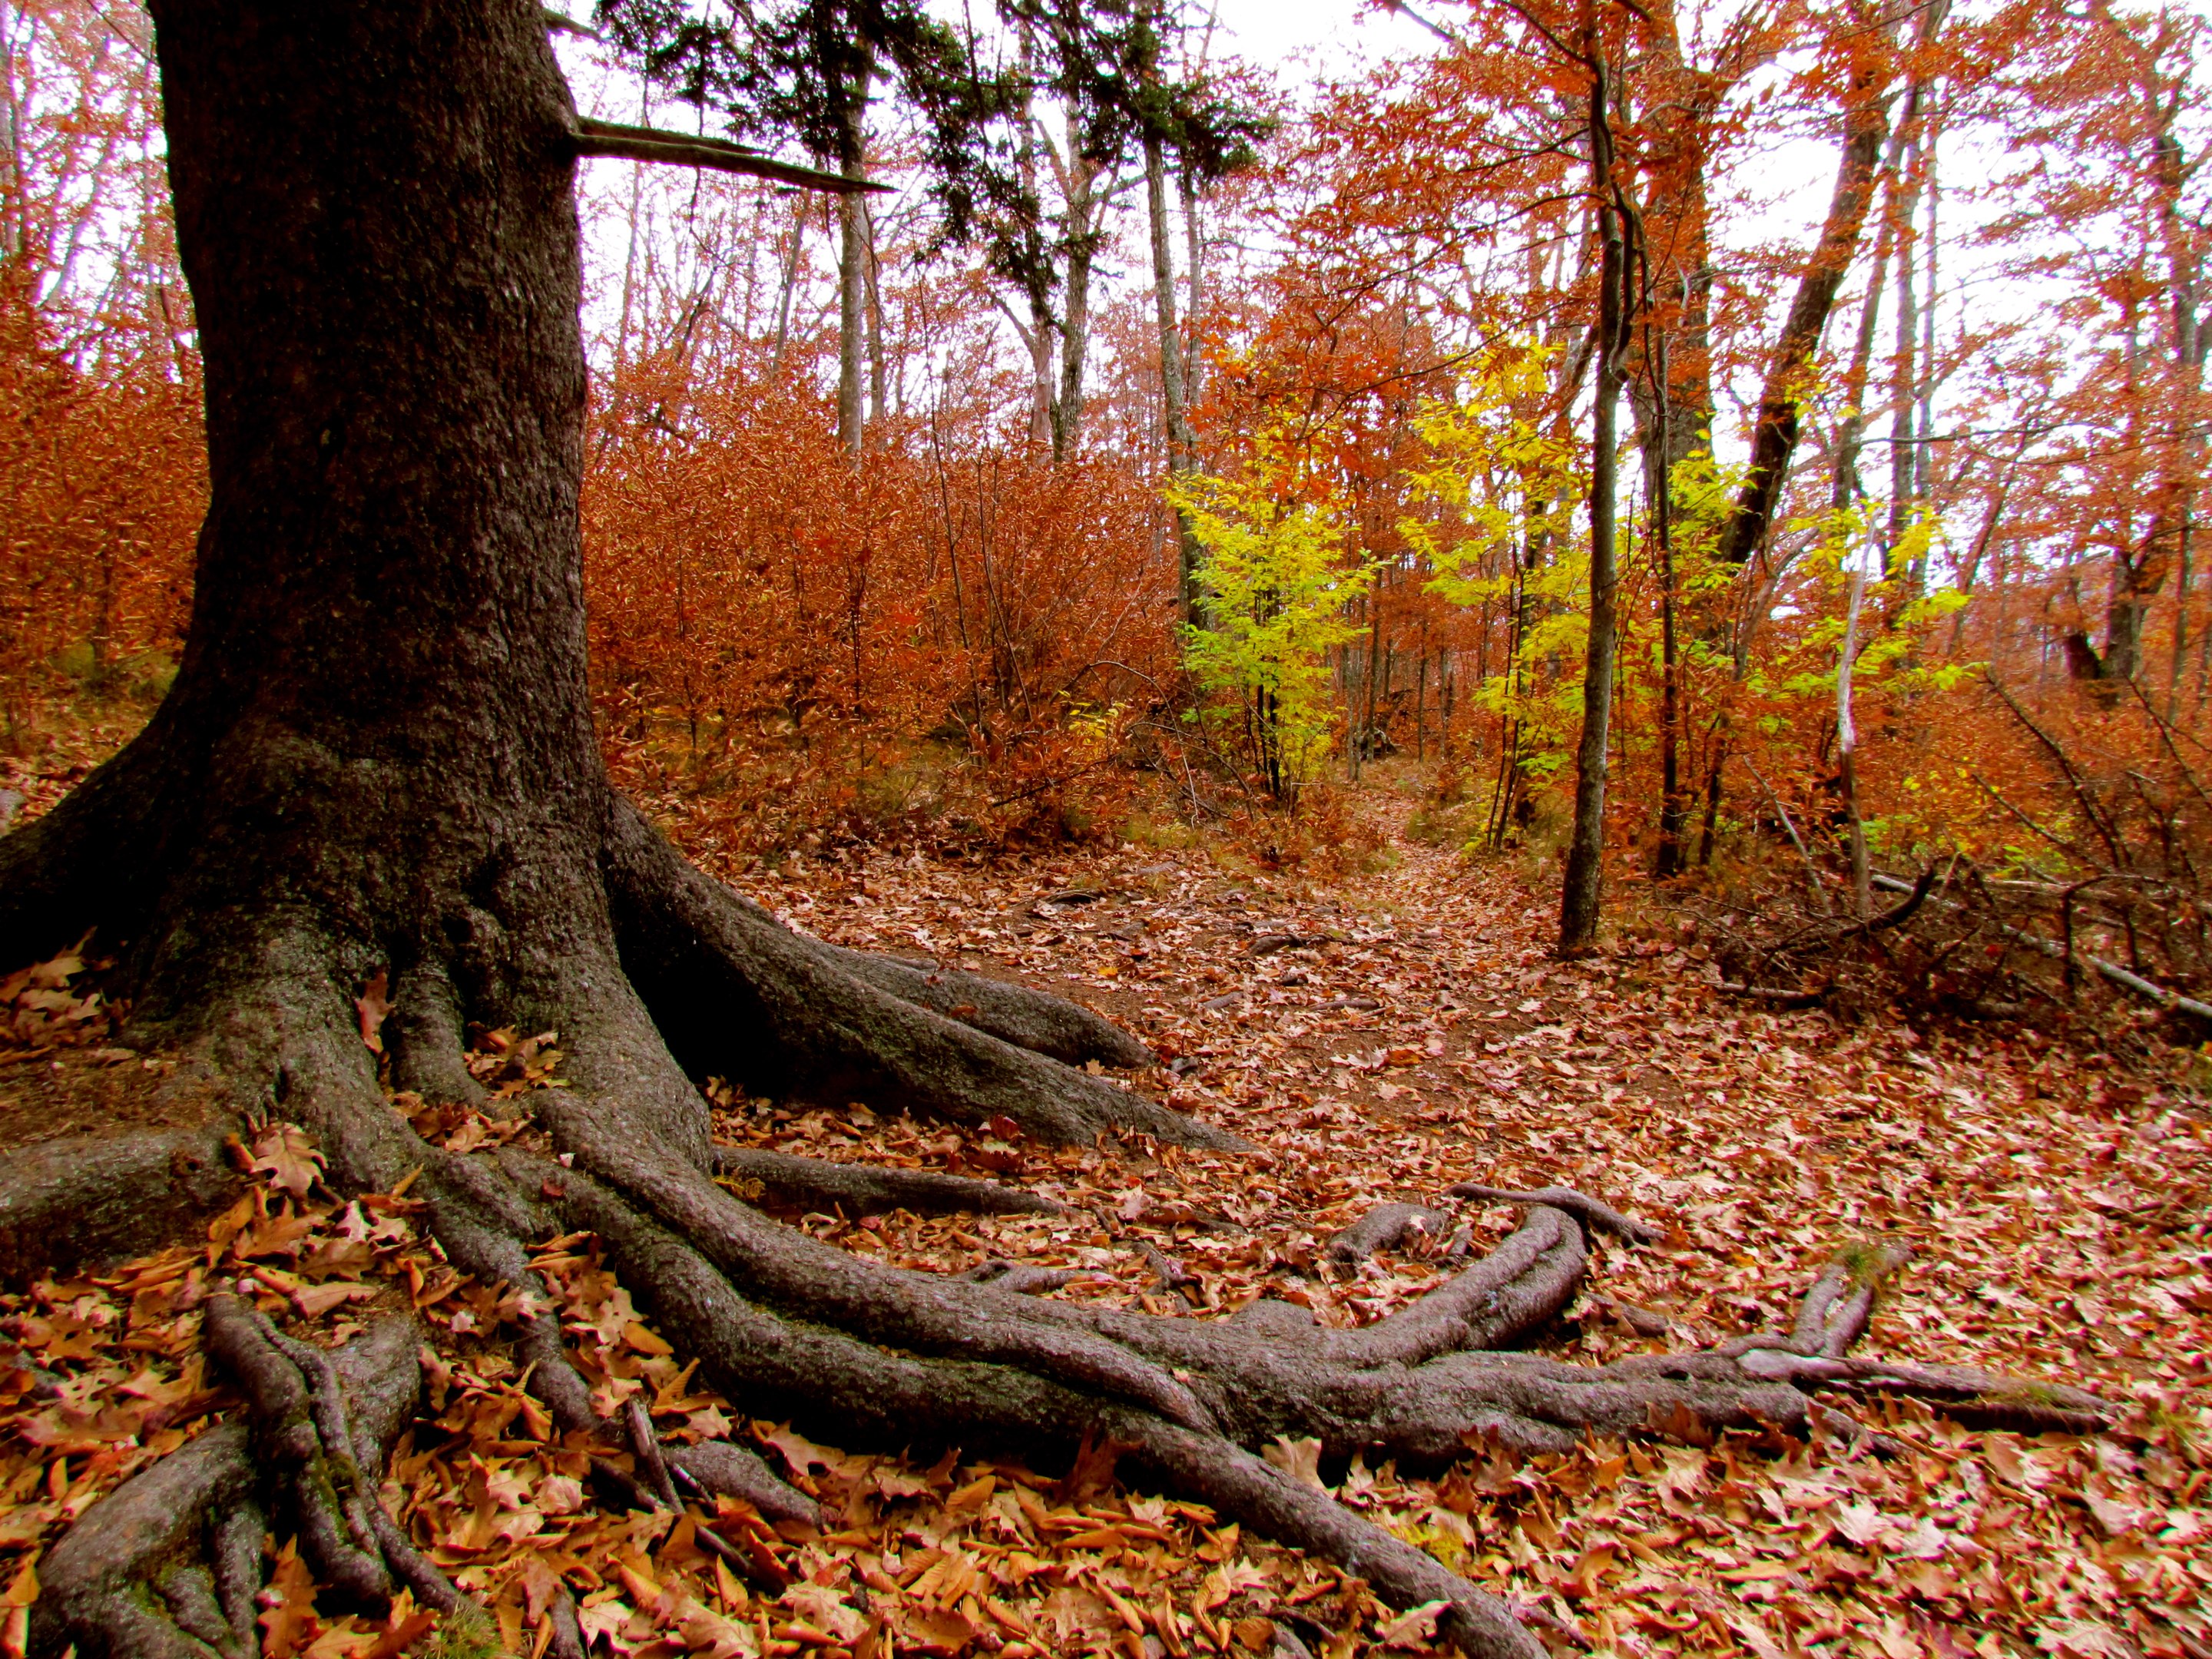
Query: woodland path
pixel 2057 1211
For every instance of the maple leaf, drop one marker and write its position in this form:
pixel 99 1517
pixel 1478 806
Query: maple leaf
pixel 559 1494
pixel 711 1423
pixel 1415 1628
pixel 313 1301
pixel 607 1617
pixel 288 1619
pixel 1092 1471
pixel 892 1481
pixel 283 1152
pixel 825 1610
pixel 804 1456
pixel 1298 1459
pixel 714 1634
pixel 1861 1522
pixel 936 1630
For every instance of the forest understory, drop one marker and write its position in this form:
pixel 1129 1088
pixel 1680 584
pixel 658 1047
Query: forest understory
pixel 1379 1038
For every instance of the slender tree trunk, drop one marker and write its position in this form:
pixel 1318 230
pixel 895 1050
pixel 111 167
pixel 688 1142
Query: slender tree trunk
pixel 1081 225
pixel 852 274
pixel 788 287
pixel 1847 742
pixel 1194 240
pixel 1673 807
pixel 879 367
pixel 1904 370
pixel 1923 441
pixel 1774 435
pixel 1845 485
pixel 2180 621
pixel 630 257
pixel 1182 446
pixel 14 204
pixel 1421 699
pixel 1583 888
pixel 1044 418
pixel 1669 382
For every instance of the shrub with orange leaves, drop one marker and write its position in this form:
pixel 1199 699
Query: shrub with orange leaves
pixel 784 641
pixel 103 478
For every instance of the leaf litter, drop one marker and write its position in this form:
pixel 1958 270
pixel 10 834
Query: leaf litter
pixel 1382 1038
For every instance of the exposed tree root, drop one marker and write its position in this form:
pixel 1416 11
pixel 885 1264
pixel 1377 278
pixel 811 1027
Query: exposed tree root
pixel 86 1197
pixel 1600 1218
pixel 737 994
pixel 1013 1278
pixel 1051 1026
pixel 885 1357
pixel 865 1189
pixel 1386 1227
pixel 169 1564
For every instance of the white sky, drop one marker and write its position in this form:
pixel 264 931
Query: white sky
pixel 1330 37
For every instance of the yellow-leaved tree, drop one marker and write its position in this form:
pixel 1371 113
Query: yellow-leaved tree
pixel 1495 502
pixel 1275 582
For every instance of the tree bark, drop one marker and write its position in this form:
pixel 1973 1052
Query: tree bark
pixel 852 276
pixel 1581 890
pixel 1906 368
pixel 1082 234
pixel 1182 447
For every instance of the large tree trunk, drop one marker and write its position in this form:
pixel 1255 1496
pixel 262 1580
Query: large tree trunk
pixel 378 757
pixel 379 754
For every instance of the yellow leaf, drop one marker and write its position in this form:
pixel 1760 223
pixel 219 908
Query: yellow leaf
pixel 1298 1459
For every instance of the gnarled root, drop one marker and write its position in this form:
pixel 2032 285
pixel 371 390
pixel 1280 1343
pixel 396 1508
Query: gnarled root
pixel 87 1197
pixel 1600 1218
pixel 324 1463
pixel 855 1351
pixel 168 1565
pixel 1386 1227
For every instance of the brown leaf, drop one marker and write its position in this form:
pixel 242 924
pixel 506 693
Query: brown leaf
pixel 288 1621
pixel 283 1152
pixel 1298 1459
pixel 372 1006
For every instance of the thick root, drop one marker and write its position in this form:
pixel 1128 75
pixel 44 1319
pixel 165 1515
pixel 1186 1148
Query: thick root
pixel 88 1198
pixel 791 1325
pixel 169 1563
pixel 872 1394
pixel 1386 1227
pixel 740 995
pixel 865 1189
pixel 1036 1020
pixel 92 863
pixel 1598 1217
pixel 305 1438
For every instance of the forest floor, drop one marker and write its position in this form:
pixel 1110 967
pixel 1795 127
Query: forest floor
pixel 1380 1037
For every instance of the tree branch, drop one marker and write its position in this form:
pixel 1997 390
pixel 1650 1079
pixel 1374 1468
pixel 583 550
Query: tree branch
pixel 684 150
